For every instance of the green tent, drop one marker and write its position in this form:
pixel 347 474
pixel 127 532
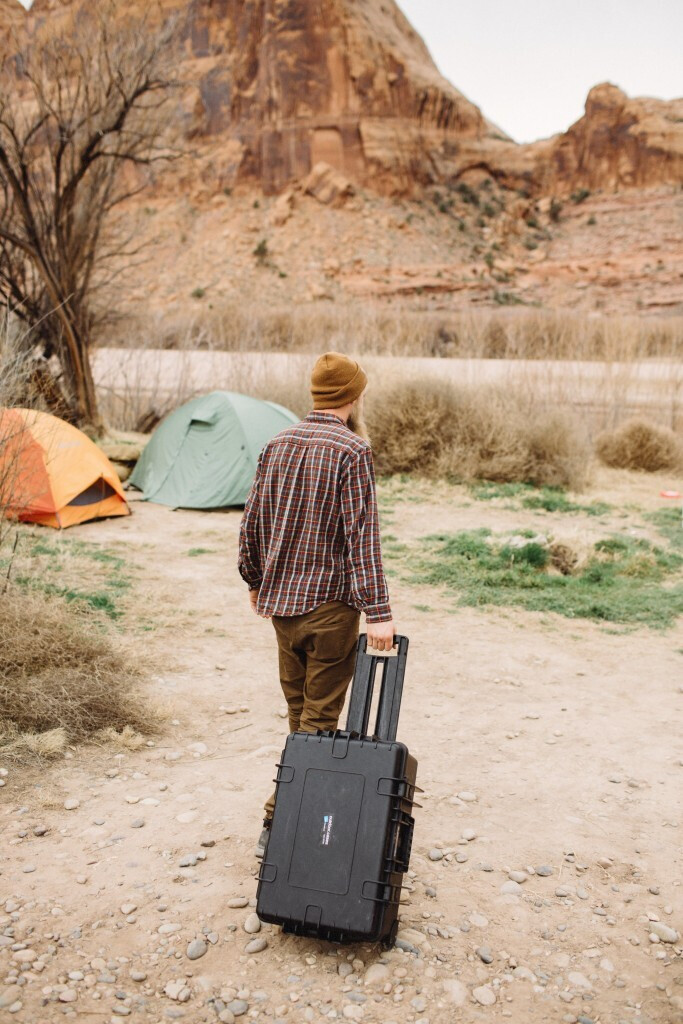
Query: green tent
pixel 204 454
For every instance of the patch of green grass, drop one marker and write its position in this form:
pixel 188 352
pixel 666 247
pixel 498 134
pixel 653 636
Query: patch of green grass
pixel 545 499
pixel 668 523
pixel 58 568
pixel 626 581
pixel 194 552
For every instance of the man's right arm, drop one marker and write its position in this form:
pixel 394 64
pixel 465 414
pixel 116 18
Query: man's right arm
pixel 361 528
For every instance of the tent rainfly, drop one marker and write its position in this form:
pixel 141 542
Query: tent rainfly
pixel 204 454
pixel 52 474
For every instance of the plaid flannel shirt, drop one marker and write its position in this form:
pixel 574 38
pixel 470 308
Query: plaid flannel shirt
pixel 310 529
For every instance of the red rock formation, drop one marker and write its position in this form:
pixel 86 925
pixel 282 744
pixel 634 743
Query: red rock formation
pixel 619 142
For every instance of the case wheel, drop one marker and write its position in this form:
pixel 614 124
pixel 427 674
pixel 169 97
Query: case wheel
pixel 388 942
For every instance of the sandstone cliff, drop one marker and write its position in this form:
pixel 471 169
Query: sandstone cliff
pixel 618 143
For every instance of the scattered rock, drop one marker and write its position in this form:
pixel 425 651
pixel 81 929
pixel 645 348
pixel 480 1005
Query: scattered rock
pixel 484 995
pixel 196 949
pixel 256 945
pixel 484 954
pixel 518 876
pixel 455 991
pixel 663 932
pixel 376 974
pixel 71 804
pixel 177 990
pixel 436 854
pixel 238 1007
pixel 238 901
pixel 469 834
pixel 252 924
pixel 68 995
pixel 544 870
pixel 511 888
pixel 578 980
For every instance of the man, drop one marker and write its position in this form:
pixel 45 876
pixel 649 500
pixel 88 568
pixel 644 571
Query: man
pixel 310 549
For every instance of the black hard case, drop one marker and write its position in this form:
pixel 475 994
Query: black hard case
pixel 342 828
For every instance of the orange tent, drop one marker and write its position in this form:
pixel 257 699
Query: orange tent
pixel 51 473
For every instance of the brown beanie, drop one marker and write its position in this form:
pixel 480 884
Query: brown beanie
pixel 336 380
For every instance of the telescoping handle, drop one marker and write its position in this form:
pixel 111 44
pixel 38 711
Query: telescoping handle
pixel 393 673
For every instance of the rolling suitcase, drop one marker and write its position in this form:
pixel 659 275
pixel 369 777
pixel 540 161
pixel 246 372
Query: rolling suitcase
pixel 342 828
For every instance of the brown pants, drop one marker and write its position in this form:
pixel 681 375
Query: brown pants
pixel 316 654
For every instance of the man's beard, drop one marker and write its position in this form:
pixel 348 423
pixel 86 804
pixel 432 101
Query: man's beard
pixel 356 423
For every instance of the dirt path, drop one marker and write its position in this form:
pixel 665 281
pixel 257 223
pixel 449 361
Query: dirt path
pixel 563 740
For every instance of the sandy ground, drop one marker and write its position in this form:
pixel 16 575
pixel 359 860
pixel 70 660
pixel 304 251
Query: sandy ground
pixel 563 739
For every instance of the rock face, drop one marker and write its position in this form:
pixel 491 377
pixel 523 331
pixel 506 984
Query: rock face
pixel 276 87
pixel 618 143
pixel 347 83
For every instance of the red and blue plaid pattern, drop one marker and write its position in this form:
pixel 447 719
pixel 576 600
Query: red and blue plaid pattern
pixel 310 529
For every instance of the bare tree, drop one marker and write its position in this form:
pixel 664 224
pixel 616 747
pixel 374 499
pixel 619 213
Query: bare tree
pixel 83 117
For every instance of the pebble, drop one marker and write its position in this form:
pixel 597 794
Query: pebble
pixel 455 991
pixel 188 861
pixel 376 974
pixel 511 888
pixel 40 830
pixel 238 901
pixel 178 990
pixel 226 1016
pixel 436 854
pixel 252 924
pixel 578 980
pixel 186 817
pixel 518 876
pixel 28 869
pixel 663 932
pixel 128 908
pixel 484 995
pixel 196 949
pixel 138 976
pixel 484 954
pixel 9 996
pixel 238 1007
pixel 168 928
pixel 137 823
pixel 67 995
pixel 544 870
pixel 468 797
pixel 461 858
pixel 344 969
pixel 469 834
pixel 71 804
pixel 478 920
pixel 256 945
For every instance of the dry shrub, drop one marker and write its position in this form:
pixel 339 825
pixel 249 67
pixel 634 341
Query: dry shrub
pixel 433 428
pixel 252 324
pixel 640 444
pixel 62 679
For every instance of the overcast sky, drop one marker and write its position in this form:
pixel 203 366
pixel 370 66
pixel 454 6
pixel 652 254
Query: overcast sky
pixel 528 64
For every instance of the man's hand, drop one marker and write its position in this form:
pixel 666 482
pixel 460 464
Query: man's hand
pixel 253 598
pixel 381 635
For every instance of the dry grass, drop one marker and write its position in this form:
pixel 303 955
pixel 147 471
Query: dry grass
pixel 642 445
pixel 252 325
pixel 62 679
pixel 438 429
